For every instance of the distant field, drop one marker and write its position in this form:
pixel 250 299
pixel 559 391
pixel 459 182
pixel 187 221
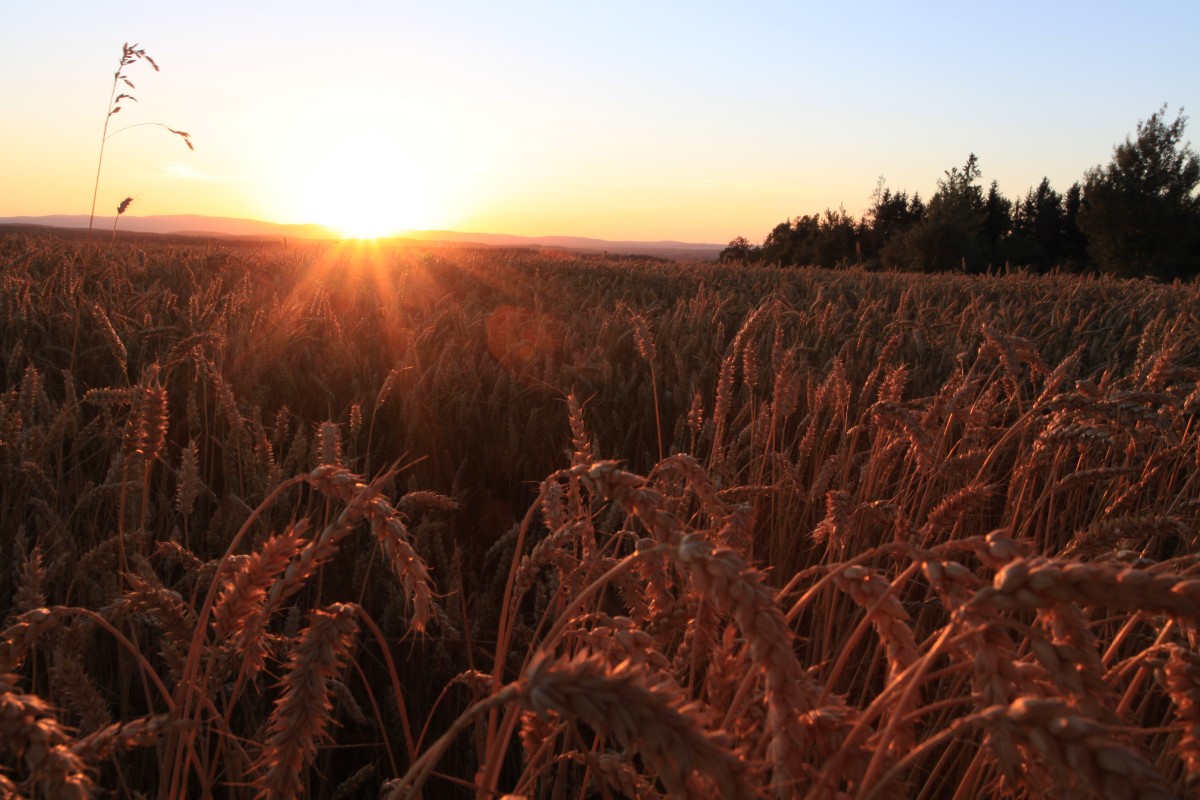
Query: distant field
pixel 336 521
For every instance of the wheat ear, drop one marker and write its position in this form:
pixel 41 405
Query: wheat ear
pixel 1181 674
pixel 302 712
pixel 1079 747
pixel 29 730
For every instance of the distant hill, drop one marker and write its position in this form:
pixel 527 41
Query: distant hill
pixel 189 224
pixel 682 250
pixel 196 225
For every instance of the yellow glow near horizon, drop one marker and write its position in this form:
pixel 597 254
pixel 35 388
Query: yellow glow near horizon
pixel 366 187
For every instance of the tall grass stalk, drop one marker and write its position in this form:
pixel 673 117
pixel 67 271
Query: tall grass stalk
pixel 130 54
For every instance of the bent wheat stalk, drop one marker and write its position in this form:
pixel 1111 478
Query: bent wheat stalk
pixel 653 720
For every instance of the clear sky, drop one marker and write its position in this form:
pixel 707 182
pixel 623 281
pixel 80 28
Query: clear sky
pixel 693 121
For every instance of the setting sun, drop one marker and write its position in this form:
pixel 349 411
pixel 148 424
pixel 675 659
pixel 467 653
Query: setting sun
pixel 366 187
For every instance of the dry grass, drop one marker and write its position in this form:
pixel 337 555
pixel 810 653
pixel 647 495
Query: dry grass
pixel 582 527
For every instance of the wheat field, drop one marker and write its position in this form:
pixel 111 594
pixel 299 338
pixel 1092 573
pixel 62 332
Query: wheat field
pixel 329 521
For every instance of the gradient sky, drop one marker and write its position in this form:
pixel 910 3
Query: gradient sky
pixel 691 121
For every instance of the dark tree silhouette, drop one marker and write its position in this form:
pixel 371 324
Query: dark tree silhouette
pixel 997 222
pixel 1045 233
pixel 1074 255
pixel 1038 229
pixel 950 236
pixel 891 213
pixel 739 249
pixel 825 240
pixel 1140 213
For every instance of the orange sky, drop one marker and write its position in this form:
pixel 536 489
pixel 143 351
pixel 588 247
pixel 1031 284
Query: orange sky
pixel 686 121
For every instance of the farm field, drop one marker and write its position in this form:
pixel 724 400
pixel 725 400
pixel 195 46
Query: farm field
pixel 347 521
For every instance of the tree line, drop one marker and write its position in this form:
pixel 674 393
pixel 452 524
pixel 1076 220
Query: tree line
pixel 1139 215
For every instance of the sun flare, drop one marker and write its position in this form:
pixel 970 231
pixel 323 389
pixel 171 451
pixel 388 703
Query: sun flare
pixel 366 187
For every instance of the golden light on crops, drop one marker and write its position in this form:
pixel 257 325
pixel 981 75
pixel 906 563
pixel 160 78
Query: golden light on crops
pixel 365 187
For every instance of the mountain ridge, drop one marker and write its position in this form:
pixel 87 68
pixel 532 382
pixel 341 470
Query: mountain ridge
pixel 200 225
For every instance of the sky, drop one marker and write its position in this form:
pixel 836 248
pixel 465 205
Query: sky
pixel 694 121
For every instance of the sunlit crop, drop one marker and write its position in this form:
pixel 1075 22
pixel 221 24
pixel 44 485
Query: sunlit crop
pixel 340 521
